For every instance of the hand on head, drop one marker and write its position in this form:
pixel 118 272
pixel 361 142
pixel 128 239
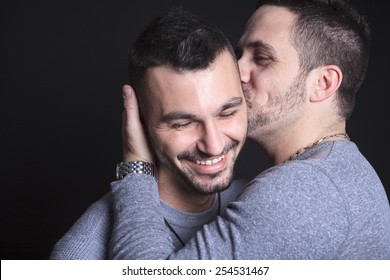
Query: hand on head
pixel 135 143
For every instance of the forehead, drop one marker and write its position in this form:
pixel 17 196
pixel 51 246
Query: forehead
pixel 270 25
pixel 195 92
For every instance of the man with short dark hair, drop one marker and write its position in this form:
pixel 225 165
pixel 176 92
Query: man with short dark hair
pixel 195 116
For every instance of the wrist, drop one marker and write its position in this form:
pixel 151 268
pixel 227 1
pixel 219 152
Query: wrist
pixel 130 156
pixel 135 167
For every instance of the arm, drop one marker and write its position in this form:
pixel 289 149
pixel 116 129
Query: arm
pixel 139 231
pixel 140 190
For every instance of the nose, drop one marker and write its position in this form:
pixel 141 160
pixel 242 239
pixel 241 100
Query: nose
pixel 211 140
pixel 244 70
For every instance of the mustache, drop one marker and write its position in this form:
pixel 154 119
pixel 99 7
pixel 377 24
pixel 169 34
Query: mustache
pixel 198 155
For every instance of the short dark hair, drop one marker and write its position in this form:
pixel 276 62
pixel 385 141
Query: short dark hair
pixel 331 32
pixel 179 39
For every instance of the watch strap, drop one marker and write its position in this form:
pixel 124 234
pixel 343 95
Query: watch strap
pixel 138 167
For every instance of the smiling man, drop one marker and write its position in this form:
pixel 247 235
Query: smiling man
pixel 195 116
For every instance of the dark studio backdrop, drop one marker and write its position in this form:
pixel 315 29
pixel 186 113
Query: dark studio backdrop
pixel 62 67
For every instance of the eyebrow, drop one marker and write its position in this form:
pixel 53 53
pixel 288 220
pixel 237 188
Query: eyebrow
pixel 178 115
pixel 258 44
pixel 234 102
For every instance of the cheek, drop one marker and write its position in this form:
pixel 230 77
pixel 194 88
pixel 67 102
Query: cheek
pixel 270 79
pixel 172 144
pixel 237 129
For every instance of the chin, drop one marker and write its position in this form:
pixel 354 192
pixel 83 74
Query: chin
pixel 212 186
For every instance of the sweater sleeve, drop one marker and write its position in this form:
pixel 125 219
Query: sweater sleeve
pixel 276 217
pixel 139 231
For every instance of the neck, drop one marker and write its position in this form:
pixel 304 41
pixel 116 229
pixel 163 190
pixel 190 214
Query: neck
pixel 287 145
pixel 328 137
pixel 181 196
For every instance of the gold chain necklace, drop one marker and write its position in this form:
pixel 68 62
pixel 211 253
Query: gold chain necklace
pixel 304 149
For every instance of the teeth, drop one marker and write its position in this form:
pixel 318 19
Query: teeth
pixel 210 162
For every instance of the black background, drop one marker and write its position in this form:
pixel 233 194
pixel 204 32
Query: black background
pixel 62 67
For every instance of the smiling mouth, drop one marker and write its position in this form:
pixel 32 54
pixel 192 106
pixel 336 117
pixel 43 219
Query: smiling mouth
pixel 210 161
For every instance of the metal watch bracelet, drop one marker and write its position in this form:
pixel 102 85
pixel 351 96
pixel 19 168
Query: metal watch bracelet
pixel 138 167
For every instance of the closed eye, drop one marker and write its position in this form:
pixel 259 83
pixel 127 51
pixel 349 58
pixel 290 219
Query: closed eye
pixel 228 114
pixel 262 60
pixel 230 108
pixel 178 120
pixel 181 125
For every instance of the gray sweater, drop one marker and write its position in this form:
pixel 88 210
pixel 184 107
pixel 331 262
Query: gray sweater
pixel 89 237
pixel 327 204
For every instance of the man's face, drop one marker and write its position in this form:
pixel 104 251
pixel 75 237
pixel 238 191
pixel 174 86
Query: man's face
pixel 197 121
pixel 269 69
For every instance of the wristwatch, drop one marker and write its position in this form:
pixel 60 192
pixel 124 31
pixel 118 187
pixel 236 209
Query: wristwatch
pixel 138 167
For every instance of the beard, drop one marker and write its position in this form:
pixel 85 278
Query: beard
pixel 205 183
pixel 277 107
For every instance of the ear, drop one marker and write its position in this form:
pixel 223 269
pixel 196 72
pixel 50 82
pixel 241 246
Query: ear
pixel 327 82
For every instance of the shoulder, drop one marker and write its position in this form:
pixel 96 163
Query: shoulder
pixel 97 211
pixel 296 187
pixel 89 235
pixel 324 181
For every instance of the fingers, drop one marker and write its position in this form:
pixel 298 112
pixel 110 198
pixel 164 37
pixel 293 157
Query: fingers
pixel 135 143
pixel 130 117
pixel 130 101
